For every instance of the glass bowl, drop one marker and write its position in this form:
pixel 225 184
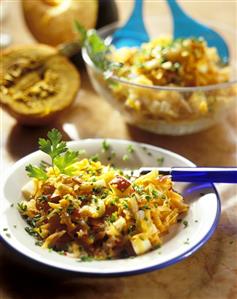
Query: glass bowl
pixel 163 109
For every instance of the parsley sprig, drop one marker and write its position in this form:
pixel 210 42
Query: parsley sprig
pixel 53 146
pixel 61 156
pixel 97 49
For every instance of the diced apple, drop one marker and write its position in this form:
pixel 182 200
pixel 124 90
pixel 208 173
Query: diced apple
pixel 140 244
pixel 29 189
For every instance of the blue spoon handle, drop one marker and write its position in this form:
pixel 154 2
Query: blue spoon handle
pixel 136 18
pixel 198 174
pixel 133 33
pixel 205 174
pixel 175 9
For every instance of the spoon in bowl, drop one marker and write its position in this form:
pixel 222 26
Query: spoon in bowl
pixel 185 26
pixel 194 174
pixel 133 33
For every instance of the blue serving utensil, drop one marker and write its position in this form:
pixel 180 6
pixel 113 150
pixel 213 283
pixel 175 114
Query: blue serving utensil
pixel 185 26
pixel 133 33
pixel 195 174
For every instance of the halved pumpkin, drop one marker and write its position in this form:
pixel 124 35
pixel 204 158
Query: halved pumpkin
pixel 36 83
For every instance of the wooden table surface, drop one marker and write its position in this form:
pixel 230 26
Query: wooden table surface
pixel 209 273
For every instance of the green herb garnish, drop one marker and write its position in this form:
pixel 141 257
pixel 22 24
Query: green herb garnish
pixel 160 161
pixel 97 50
pixel 187 242
pixel 95 158
pixel 138 189
pixel 112 218
pixel 125 157
pixel 22 207
pixel 185 223
pixel 70 209
pixel 53 146
pixel 61 156
pixel 43 198
pixel 86 259
pixel 130 149
pixel 155 193
pixel 36 172
pixel 105 146
pixel 32 221
pixel 65 162
pixel 31 231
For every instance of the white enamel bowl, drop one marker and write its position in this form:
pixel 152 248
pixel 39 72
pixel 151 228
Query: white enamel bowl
pixel 180 243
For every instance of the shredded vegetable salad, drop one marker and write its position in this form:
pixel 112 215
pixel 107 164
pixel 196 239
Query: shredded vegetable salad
pixel 171 62
pixel 86 210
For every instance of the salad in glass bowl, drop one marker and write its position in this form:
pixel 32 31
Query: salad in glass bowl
pixel 167 86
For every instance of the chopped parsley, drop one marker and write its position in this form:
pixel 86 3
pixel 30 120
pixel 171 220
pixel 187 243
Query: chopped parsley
pixel 105 146
pixel 160 161
pixel 95 158
pixel 185 223
pixel 39 243
pixel 31 231
pixel 112 218
pixel 147 197
pixel 138 189
pixel 125 157
pixel 70 209
pixel 62 252
pixel 22 207
pixel 82 197
pixel 130 149
pixel 187 242
pixel 86 259
pixel 155 193
pixel 125 205
pixel 112 155
pixel 32 222
pixel 43 198
pixel 164 197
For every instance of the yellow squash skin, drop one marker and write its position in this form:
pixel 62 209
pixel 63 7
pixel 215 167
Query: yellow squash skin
pixel 51 21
